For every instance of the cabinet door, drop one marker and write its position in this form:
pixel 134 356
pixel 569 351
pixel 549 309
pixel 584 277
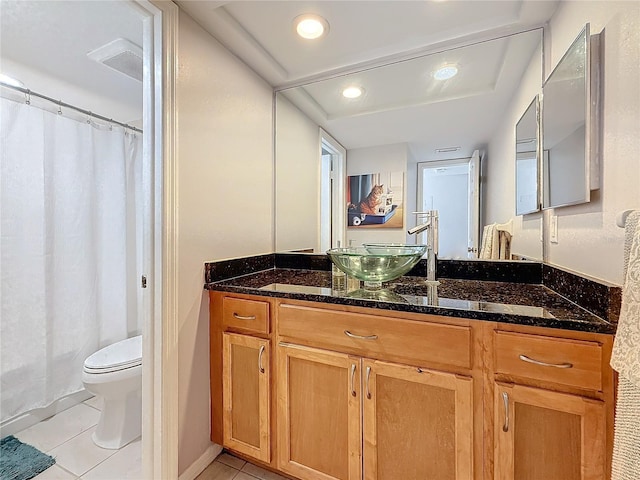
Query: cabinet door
pixel 418 424
pixel 540 434
pixel 246 407
pixel 319 428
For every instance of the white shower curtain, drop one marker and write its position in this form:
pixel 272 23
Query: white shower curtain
pixel 70 249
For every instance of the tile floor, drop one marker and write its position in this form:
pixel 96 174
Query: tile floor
pixel 67 437
pixel 228 467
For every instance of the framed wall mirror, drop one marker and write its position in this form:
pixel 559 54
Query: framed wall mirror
pixel 570 125
pixel 527 160
pixel 403 117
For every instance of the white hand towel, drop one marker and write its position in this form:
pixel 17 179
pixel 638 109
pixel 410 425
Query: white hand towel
pixel 626 360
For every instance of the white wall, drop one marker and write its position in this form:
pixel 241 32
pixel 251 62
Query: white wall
pixel 499 168
pixel 588 239
pixel 386 158
pixel 53 87
pixel 225 192
pixel 297 178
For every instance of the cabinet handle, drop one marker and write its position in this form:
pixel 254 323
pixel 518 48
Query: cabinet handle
pixel 353 375
pixel 505 399
pixel 260 367
pixel 244 317
pixel 368 374
pixel 360 337
pixel 524 358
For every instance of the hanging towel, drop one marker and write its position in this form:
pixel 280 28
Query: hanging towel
pixel 625 359
pixel 496 243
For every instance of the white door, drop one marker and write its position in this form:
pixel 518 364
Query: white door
pixel 473 243
pixel 451 188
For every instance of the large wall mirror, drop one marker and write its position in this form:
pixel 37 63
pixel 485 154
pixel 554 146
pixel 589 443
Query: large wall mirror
pixel 404 116
pixel 569 138
pixel 527 160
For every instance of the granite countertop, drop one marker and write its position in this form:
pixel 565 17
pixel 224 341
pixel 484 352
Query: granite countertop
pixel 516 303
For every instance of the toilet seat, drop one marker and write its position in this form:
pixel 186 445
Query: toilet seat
pixel 116 357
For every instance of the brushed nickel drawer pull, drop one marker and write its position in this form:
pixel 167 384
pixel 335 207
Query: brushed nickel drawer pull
pixel 353 374
pixel 505 399
pixel 260 367
pixel 367 384
pixel 243 317
pixel 360 337
pixel 524 358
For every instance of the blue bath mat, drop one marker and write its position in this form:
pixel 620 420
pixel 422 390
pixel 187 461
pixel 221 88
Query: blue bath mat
pixel 19 461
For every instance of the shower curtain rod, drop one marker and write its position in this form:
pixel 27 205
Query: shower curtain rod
pixel 60 103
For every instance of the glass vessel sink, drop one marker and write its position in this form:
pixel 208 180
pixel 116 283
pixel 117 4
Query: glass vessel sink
pixel 375 263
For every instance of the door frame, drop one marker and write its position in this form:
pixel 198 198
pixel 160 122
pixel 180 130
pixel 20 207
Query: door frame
pixel 159 304
pixel 473 196
pixel 338 188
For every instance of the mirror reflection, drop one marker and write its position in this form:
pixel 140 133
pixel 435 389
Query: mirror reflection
pixel 527 163
pixel 565 108
pixel 444 110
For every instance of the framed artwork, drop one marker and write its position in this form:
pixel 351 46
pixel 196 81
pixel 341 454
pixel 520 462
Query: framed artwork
pixel 374 200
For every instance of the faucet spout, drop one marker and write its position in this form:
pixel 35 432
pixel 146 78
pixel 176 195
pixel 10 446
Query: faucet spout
pixel 431 226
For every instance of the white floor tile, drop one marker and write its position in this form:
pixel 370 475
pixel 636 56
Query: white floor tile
pixel 243 476
pixel 95 402
pixel 54 473
pixel 125 464
pixel 260 473
pixel 218 471
pixel 80 454
pixel 230 460
pixel 60 428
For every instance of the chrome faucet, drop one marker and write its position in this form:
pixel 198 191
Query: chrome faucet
pixel 431 226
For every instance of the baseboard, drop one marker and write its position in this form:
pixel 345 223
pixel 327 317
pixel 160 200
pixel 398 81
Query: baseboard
pixel 14 425
pixel 197 467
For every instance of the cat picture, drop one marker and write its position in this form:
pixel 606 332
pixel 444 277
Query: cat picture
pixel 372 201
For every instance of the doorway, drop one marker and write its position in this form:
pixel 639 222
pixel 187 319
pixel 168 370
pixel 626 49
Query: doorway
pixel 451 188
pixel 332 228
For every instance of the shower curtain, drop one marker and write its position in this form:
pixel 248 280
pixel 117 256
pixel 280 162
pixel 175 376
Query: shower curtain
pixel 70 250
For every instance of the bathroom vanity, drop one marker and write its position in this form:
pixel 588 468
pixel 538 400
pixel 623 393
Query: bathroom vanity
pixel 488 380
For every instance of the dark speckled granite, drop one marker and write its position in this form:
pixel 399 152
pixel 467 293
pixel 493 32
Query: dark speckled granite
pixel 523 304
pixel 534 283
pixel 491 270
pixel 236 267
pixel 598 297
pixel 316 261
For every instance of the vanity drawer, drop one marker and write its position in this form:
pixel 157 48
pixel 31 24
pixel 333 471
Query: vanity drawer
pixel 247 315
pixel 575 363
pixel 386 338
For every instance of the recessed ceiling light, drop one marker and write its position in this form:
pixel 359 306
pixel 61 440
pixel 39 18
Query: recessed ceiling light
pixel 11 81
pixel 352 92
pixel 446 72
pixel 311 26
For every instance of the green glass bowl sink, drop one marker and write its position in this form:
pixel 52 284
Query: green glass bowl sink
pixel 375 263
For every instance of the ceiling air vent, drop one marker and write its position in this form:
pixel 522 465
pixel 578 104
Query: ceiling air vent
pixel 120 55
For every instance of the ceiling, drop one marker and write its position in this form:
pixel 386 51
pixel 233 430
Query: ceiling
pixel 391 48
pixel 54 37
pixel 401 103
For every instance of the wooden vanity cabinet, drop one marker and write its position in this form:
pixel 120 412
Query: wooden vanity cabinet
pixel 553 405
pixel 246 394
pixel 241 367
pixel 348 416
pixel 351 393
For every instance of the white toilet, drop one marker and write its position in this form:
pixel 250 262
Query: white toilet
pixel 115 374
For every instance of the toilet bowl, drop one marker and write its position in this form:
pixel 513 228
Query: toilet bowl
pixel 115 374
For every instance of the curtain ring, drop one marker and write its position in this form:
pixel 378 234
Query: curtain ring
pixel 111 124
pixel 59 107
pixel 27 97
pixel 89 117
